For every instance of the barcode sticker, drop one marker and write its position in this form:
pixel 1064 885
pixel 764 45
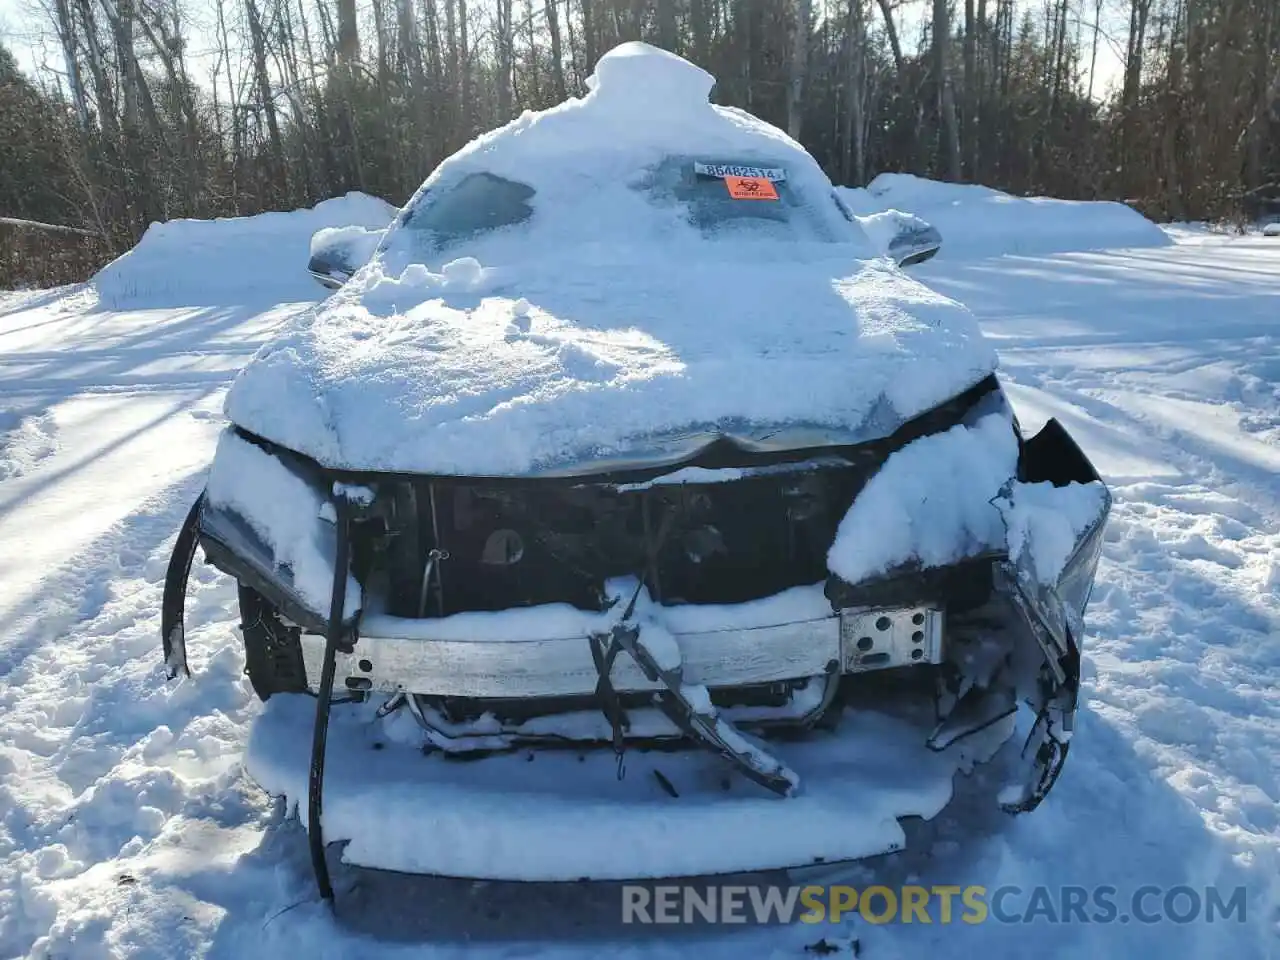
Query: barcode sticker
pixel 723 170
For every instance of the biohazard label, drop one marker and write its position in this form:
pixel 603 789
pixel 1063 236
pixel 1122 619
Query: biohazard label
pixel 722 170
pixel 751 188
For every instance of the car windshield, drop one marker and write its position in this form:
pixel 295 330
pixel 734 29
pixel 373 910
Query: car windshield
pixel 734 198
pixel 717 197
pixel 478 203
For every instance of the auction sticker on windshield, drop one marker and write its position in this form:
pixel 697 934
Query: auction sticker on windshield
pixel 723 170
pixel 751 188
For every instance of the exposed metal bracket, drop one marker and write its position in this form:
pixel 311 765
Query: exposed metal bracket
pixel 876 639
pixel 691 709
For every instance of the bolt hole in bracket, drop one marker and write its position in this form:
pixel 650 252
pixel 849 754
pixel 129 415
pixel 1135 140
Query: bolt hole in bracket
pixel 879 639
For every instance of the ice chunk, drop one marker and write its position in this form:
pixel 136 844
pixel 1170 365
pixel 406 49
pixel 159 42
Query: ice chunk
pixel 465 273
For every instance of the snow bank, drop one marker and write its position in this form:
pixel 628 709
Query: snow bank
pixel 605 326
pixel 978 221
pixel 191 262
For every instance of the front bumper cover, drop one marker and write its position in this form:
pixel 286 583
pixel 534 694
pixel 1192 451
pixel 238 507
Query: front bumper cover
pixel 375 653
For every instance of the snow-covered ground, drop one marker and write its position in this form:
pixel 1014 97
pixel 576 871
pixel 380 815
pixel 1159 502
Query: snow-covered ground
pixel 128 828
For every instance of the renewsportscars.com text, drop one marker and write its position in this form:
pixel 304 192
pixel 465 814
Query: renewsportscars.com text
pixel 1151 904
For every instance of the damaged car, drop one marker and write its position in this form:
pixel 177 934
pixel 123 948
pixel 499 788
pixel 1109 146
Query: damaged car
pixel 629 469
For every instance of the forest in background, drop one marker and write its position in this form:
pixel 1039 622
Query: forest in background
pixel 307 99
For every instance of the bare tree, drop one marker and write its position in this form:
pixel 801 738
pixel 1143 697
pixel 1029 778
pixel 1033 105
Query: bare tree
pixel 949 141
pixel 348 32
pixel 799 67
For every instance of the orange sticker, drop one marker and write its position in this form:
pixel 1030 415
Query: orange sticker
pixel 751 188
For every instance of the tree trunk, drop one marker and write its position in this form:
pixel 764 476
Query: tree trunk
pixel 348 33
pixel 464 71
pixel 407 41
pixel 504 42
pixel 854 129
pixel 799 68
pixel 589 36
pixel 668 33
pixel 949 140
pixel 266 103
pixel 895 45
pixel 561 90
pixel 70 55
pixel 971 86
pixel 1093 50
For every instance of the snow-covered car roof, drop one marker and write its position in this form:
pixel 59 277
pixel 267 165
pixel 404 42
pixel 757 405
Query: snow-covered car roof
pixel 590 287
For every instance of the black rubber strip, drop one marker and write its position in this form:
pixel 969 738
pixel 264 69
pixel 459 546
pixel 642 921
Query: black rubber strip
pixel 173 637
pixel 320 734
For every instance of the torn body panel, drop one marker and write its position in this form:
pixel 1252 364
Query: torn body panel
pixel 629 612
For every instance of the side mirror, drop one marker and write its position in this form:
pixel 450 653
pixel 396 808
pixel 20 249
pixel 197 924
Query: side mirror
pixel 905 238
pixel 338 252
pixel 915 244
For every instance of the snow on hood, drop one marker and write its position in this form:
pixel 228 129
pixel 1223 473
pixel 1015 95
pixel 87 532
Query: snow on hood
pixel 609 328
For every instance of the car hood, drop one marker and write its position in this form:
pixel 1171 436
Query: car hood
pixel 522 372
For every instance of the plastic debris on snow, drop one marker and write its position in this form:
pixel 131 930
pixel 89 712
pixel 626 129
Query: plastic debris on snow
pixel 282 509
pixel 607 323
pixel 977 221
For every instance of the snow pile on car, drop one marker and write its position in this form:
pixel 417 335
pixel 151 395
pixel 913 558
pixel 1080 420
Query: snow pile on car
pixel 586 157
pixel 977 221
pixel 542 350
pixel 282 509
pixel 193 262
pixel 930 503
pixel 949 496
pixel 356 241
